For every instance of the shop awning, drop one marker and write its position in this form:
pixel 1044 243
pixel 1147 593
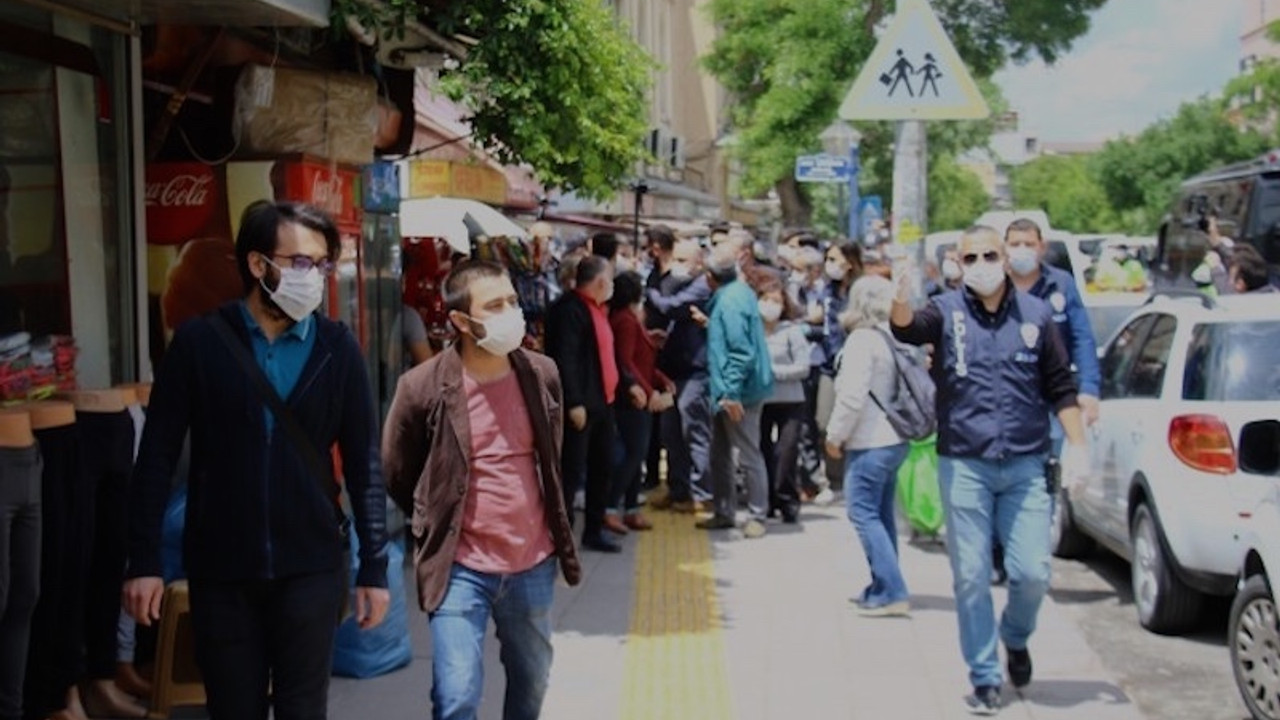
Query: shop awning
pixel 235 13
pixel 456 220
pixel 587 222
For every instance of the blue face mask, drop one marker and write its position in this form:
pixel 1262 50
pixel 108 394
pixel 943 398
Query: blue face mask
pixel 1023 260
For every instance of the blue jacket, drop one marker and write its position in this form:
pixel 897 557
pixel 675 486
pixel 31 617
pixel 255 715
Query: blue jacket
pixel 253 510
pixel 1058 288
pixel 737 347
pixel 684 354
pixel 998 375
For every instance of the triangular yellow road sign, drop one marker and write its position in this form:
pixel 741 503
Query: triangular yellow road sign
pixel 914 73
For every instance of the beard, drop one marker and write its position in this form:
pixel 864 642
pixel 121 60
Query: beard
pixel 272 278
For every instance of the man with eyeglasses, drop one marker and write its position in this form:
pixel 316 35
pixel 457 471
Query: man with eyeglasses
pixel 264 538
pixel 1000 367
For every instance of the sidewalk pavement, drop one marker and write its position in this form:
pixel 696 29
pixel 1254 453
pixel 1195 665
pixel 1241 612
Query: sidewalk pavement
pixel 688 624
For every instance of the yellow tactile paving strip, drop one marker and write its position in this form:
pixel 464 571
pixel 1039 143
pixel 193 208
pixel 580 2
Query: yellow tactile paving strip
pixel 675 664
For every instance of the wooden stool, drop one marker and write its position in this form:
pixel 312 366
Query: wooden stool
pixel 177 679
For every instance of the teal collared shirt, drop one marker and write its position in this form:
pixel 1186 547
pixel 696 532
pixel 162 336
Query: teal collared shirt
pixel 282 360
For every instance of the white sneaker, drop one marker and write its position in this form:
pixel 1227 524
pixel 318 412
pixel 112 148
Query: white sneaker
pixel 824 497
pixel 754 529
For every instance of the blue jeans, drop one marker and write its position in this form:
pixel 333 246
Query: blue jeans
pixel 1005 498
pixel 520 605
pixel 870 477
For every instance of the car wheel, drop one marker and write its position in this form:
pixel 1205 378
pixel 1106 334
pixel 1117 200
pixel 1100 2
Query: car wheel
pixel 1165 604
pixel 1254 636
pixel 1067 540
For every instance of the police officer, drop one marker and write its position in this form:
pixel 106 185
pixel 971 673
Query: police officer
pixel 1025 247
pixel 1000 366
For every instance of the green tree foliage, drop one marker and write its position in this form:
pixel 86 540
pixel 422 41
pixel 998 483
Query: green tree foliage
pixel 1068 190
pixel 956 195
pixel 557 84
pixel 788 64
pixel 1140 175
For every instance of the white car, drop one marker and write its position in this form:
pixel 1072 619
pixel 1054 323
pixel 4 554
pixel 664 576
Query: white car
pixel 1254 632
pixel 1182 381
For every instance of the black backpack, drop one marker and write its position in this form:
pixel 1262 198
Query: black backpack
pixel 912 411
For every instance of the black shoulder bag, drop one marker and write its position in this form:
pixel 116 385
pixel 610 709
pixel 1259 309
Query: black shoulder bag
pixel 321 470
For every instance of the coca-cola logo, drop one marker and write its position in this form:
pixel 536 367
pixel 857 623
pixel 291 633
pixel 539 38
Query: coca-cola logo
pixel 326 193
pixel 180 191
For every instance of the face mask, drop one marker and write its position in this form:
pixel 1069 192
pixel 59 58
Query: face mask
pixel 503 332
pixel 835 271
pixel 299 292
pixel 625 264
pixel 680 271
pixel 984 278
pixel 770 310
pixel 1023 260
pixel 799 278
pixel 951 270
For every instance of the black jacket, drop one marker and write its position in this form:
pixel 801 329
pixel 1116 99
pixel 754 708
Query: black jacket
pixel 571 342
pixel 998 375
pixel 253 510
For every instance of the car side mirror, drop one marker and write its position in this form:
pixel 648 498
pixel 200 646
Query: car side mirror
pixel 1260 447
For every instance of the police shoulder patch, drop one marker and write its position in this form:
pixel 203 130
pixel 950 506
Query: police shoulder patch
pixel 1030 334
pixel 1058 302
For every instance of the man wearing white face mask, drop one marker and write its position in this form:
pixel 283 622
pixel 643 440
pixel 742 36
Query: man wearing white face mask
pixel 264 542
pixel 471 448
pixel 1000 367
pixel 581 342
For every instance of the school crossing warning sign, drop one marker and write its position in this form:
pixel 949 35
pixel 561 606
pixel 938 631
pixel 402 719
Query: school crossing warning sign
pixel 914 73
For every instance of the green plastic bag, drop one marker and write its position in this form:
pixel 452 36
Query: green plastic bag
pixel 918 493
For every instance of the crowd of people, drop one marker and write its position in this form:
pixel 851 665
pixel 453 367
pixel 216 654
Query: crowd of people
pixel 746 377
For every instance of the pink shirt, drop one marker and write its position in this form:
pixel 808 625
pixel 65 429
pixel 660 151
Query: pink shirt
pixel 504 523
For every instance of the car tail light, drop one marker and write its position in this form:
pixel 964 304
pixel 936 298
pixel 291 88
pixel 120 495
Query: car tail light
pixel 1203 442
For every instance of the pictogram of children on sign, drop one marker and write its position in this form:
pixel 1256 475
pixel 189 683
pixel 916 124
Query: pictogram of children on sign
pixel 900 73
pixel 902 70
pixel 931 74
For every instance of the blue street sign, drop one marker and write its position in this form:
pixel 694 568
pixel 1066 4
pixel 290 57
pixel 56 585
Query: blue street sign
pixel 823 169
pixel 870 209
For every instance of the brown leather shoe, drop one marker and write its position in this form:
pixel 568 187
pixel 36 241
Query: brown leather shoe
pixel 636 521
pixel 614 524
pixel 102 698
pixel 663 502
pixel 131 681
pixel 691 507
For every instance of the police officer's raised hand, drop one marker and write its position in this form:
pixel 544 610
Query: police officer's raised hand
pixel 371 606
pixel 733 409
pixel 141 599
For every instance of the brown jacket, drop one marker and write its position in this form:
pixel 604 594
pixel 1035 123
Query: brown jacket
pixel 426 460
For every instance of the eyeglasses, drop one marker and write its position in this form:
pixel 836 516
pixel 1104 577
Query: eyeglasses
pixel 990 256
pixel 306 262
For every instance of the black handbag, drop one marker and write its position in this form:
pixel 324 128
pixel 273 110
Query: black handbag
pixel 318 467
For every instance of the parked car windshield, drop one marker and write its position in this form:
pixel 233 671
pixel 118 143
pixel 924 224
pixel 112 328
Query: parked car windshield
pixel 1234 361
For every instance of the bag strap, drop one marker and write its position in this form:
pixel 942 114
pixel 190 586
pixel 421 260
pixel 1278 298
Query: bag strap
pixel 893 353
pixel 322 471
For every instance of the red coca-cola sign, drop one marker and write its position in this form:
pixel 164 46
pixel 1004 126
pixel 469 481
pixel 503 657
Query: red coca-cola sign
pixel 334 190
pixel 184 201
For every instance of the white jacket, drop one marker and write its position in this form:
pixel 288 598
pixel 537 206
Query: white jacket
pixel 866 364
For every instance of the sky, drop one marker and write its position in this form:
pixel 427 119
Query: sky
pixel 1139 61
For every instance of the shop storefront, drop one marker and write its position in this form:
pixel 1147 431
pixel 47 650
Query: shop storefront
pixel 66 252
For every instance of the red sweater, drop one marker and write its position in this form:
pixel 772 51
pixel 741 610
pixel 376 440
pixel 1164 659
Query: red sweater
pixel 636 352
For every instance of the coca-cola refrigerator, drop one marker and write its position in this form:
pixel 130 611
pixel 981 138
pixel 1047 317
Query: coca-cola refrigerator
pixel 193 214
pixel 334 188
